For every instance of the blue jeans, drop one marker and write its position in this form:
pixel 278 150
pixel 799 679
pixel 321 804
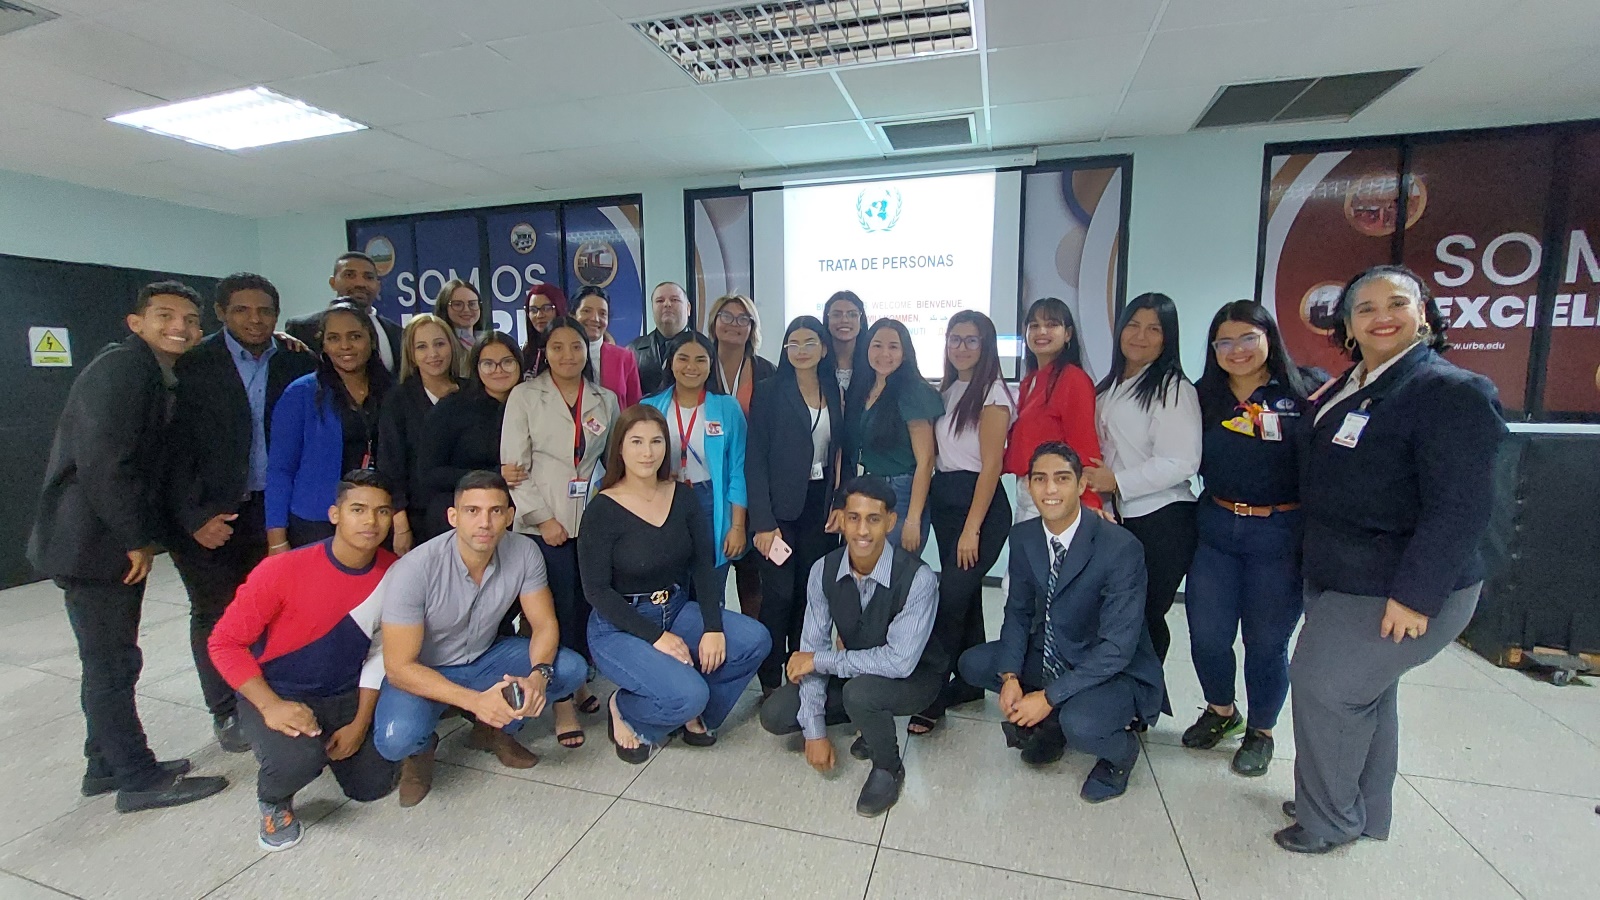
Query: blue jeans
pixel 403 723
pixel 655 692
pixel 902 506
pixel 1245 576
pixel 704 492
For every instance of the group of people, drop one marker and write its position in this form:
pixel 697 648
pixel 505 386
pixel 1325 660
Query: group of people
pixel 378 526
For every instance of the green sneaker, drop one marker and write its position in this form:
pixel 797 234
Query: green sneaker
pixel 280 828
pixel 1255 754
pixel 1211 729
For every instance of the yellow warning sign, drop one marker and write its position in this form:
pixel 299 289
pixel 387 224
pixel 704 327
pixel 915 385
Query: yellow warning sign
pixel 50 346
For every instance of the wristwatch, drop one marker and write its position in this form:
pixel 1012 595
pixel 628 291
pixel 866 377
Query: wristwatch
pixel 1007 676
pixel 547 670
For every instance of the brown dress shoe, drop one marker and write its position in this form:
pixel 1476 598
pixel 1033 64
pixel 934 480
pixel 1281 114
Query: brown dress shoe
pixel 511 754
pixel 416 775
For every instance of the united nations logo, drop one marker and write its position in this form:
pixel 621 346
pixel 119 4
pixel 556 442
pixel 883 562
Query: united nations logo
pixel 381 249
pixel 878 208
pixel 523 237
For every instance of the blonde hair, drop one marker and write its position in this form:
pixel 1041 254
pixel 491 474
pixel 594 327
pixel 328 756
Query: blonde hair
pixel 749 305
pixel 408 362
pixel 441 304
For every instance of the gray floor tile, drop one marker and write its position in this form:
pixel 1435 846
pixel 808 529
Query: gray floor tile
pixel 1452 669
pixel 907 876
pixel 37 639
pixel 13 887
pixel 476 835
pixel 1544 845
pixel 1225 824
pixel 1492 738
pixel 163 639
pixel 970 799
pixel 637 849
pixel 29 698
pixel 182 688
pixel 753 776
pixel 592 767
pixel 30 601
pixel 1576 709
pixel 180 852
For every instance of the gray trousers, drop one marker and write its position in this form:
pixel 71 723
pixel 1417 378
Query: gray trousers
pixel 1346 681
pixel 869 702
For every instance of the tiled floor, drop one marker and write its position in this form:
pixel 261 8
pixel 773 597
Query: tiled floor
pixel 1501 777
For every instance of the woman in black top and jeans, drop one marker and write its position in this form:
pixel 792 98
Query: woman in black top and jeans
pixel 677 665
pixel 463 433
pixel 427 367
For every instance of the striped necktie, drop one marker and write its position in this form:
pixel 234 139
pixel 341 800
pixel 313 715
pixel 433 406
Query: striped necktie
pixel 1052 658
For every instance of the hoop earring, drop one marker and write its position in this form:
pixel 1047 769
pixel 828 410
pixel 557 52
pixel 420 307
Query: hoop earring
pixel 1425 331
pixel 1349 344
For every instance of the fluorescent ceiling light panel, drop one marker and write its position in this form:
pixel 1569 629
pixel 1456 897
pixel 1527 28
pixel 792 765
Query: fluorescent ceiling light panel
pixel 253 117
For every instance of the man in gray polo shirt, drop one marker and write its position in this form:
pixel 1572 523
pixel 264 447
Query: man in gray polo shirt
pixel 442 607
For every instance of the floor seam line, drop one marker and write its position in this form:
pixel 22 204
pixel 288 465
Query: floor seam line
pixel 546 876
pixel 1193 881
pixel 1464 839
pixel 1505 787
pixel 695 812
pixel 1058 878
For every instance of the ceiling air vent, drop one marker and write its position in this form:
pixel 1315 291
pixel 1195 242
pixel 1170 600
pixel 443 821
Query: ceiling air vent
pixel 17 16
pixel 1331 97
pixel 783 38
pixel 928 134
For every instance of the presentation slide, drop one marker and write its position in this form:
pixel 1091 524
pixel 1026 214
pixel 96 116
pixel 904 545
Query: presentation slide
pixel 914 249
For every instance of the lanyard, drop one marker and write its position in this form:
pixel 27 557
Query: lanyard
pixel 684 434
pixel 816 419
pixel 577 431
pixel 733 388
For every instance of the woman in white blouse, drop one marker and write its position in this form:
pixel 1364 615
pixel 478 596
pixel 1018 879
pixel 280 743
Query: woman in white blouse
pixel 1148 416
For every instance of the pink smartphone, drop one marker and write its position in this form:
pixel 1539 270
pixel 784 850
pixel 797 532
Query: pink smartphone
pixel 780 551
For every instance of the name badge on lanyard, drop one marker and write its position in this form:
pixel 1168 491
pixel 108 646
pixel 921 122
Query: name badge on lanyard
pixel 1355 421
pixel 1271 427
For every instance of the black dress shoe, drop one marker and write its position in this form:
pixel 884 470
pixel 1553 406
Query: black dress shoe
pixel 226 728
pixel 94 786
pixel 1288 809
pixel 1015 734
pixel 1041 749
pixel 705 738
pixel 880 792
pixel 1296 839
pixel 1105 782
pixel 858 747
pixel 175 792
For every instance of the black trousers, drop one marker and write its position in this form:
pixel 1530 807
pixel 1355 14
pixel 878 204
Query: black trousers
pixel 1094 721
pixel 869 702
pixel 783 588
pixel 1170 536
pixel 959 622
pixel 290 763
pixel 105 620
pixel 211 578
pixel 747 578
pixel 305 531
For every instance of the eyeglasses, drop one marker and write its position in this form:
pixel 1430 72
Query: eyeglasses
pixel 740 320
pixel 463 305
pixel 1245 342
pixel 503 364
pixel 845 315
pixel 805 346
pixel 543 308
pixel 957 341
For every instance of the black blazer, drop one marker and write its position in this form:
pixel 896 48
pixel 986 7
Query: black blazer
pixel 461 435
pixel 1401 513
pixel 777 459
pixel 308 329
pixel 760 370
pixel 400 430
pixel 1096 612
pixel 211 429
pixel 102 484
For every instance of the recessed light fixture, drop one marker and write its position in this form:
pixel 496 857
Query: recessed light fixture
pixel 252 117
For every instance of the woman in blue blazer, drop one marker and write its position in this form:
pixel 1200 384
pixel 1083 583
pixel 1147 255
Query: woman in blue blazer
pixel 712 426
pixel 324 425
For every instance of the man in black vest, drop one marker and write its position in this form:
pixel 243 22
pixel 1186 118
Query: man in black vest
pixel 227 387
pixel 882 600
pixel 1074 664
pixel 95 534
pixel 355 278
pixel 669 305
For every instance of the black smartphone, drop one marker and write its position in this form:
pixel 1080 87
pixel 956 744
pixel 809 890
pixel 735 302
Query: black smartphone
pixel 515 696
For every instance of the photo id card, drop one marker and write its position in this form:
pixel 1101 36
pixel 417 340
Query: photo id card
pixel 1349 433
pixel 1271 427
pixel 577 488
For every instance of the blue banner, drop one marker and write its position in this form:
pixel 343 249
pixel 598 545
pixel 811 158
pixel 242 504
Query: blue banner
pixel 391 247
pixel 524 250
pixel 446 249
pixel 603 249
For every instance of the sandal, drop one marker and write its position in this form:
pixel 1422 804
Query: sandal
pixel 635 756
pixel 571 740
pixel 920 724
pixel 704 738
pixel 589 706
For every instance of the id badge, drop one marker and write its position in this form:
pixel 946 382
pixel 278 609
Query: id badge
pixel 577 488
pixel 594 426
pixel 1349 433
pixel 1271 427
pixel 713 429
pixel 816 471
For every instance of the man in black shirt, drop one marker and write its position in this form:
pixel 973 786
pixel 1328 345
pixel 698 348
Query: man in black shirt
pixel 95 534
pixel 670 307
pixel 227 387
pixel 355 278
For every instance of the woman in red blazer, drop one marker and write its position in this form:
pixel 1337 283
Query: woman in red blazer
pixel 619 371
pixel 1056 400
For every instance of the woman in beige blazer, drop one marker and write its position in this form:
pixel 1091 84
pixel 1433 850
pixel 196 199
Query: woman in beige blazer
pixel 556 426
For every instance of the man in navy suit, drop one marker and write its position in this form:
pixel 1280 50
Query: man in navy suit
pixel 1074 664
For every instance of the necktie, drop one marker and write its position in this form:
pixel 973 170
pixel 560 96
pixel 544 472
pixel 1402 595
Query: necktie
pixel 1052 658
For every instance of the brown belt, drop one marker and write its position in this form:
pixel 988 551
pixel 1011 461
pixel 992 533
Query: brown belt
pixel 1260 512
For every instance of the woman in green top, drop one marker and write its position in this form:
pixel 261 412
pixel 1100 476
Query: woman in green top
pixel 897 427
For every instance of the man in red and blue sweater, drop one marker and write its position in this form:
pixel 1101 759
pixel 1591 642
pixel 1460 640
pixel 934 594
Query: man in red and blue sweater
pixel 299 642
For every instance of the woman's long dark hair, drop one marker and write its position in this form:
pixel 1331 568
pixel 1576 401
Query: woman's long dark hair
pixel 533 348
pixel 669 380
pixel 984 374
pixel 1052 309
pixel 328 380
pixel 1216 398
pixel 887 429
pixel 589 373
pixel 1437 323
pixel 1167 369
pixel 489 339
pixel 858 359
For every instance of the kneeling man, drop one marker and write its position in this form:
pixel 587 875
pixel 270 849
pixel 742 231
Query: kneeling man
pixel 1074 664
pixel 442 607
pixel 297 643
pixel 882 600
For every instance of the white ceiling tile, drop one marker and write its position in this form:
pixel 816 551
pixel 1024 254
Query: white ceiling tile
pixel 597 61
pixel 631 117
pixel 337 155
pixel 1052 121
pixel 474 137
pixel 772 102
pixel 1196 13
pixel 106 54
pixel 362 93
pixel 1017 23
pixel 33 131
pixel 493 20
pixel 638 9
pixel 915 87
pixel 365 30
pixel 1168 111
pixel 1061 70
pixel 225 37
pixel 550 170
pixel 399 186
pixel 468 79
pixel 49 84
pixel 469 178
pixel 707 154
pixel 816 143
